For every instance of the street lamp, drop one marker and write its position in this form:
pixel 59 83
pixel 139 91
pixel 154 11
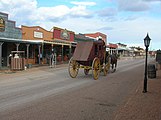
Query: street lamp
pixel 146 43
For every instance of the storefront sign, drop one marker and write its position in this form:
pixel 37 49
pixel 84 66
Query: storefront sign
pixel 65 34
pixel 38 34
pixel 2 24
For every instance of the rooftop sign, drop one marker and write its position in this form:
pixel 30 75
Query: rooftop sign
pixel 2 24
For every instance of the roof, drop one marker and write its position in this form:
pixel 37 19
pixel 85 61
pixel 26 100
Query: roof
pixel 121 44
pixel 82 37
pixel 63 29
pixel 112 45
pixel 20 40
pixel 34 27
pixel 58 42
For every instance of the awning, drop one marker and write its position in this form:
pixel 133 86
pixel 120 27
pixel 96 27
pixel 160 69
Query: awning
pixel 60 42
pixel 21 41
pixel 56 42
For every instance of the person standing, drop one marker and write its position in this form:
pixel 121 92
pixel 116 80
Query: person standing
pixel 53 60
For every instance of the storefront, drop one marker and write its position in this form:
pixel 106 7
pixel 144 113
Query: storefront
pixel 59 41
pixel 10 37
pixel 66 38
pixel 123 50
pixel 37 43
pixel 112 48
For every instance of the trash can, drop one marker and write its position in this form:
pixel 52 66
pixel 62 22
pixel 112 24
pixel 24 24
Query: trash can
pixel 17 63
pixel 17 60
pixel 151 71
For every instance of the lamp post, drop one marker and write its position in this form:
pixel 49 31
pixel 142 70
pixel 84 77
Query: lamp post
pixel 146 43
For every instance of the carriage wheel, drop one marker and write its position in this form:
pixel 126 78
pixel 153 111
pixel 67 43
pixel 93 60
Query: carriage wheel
pixel 73 68
pixel 96 68
pixel 106 69
pixel 86 71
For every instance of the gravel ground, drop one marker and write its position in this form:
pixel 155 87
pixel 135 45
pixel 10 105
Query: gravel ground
pixel 143 106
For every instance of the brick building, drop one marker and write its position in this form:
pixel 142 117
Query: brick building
pixel 36 42
pixel 112 47
pixel 97 35
pixel 59 41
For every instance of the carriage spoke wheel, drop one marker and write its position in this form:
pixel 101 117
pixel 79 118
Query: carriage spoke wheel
pixel 96 68
pixel 73 68
pixel 106 69
pixel 86 71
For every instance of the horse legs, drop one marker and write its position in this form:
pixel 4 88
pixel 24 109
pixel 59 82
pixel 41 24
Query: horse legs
pixel 112 66
pixel 115 65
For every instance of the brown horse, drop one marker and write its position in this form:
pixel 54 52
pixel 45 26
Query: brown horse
pixel 114 62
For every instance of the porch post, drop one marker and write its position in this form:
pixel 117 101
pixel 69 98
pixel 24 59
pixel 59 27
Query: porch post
pixel 17 45
pixel 62 53
pixel 39 53
pixel 111 51
pixel 52 48
pixel 42 52
pixel 1 43
pixel 27 45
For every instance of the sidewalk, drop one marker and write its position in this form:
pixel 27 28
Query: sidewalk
pixel 35 68
pixel 143 106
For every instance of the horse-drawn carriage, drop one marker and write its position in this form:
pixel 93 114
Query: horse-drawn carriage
pixel 90 56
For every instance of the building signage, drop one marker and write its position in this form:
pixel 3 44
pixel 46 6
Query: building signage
pixel 65 34
pixel 38 34
pixel 2 25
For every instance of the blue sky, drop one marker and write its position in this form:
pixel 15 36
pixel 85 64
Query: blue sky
pixel 125 21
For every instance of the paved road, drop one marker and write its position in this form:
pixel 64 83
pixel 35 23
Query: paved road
pixel 50 94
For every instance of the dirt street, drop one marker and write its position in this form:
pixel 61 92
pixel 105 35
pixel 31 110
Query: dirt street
pixel 50 94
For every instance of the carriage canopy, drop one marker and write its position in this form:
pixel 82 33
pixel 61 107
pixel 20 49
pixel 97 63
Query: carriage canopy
pixel 87 51
pixel 82 51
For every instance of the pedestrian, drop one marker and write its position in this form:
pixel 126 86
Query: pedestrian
pixel 53 60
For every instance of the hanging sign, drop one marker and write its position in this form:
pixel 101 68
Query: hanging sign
pixel 38 34
pixel 2 25
pixel 65 34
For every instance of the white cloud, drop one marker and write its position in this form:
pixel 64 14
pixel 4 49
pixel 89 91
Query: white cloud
pixel 133 32
pixel 118 25
pixel 84 3
pixel 137 5
pixel 27 12
pixel 19 10
pixel 54 14
pixel 107 12
pixel 79 11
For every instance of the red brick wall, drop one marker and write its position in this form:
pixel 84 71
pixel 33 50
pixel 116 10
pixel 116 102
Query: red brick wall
pixel 56 34
pixel 58 31
pixel 71 36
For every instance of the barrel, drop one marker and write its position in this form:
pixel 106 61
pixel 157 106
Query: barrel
pixel 151 71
